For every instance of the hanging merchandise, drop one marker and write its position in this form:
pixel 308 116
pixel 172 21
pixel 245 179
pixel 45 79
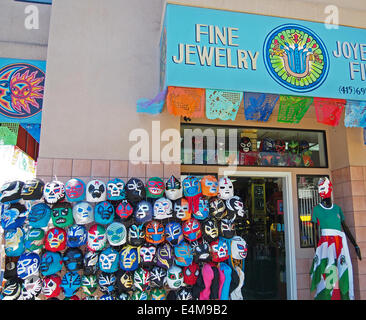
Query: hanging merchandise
pixel 120 241
pixel 259 106
pixel 154 105
pixel 329 111
pixel 186 102
pixel 355 115
pixel 223 105
pixel 293 108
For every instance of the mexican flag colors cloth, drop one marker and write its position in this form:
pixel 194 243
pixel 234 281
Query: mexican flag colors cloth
pixel 331 271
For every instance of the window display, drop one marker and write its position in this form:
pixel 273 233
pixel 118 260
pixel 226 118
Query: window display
pixel 246 146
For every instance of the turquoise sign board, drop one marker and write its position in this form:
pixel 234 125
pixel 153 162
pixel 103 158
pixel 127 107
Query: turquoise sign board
pixel 217 49
pixel 21 90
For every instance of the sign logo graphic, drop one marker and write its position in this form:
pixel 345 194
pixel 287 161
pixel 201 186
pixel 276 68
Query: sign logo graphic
pixel 21 90
pixel 296 58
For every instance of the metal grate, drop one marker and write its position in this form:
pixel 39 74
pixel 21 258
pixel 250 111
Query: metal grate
pixel 308 198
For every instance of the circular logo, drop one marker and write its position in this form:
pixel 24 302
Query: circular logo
pixel 21 90
pixel 296 58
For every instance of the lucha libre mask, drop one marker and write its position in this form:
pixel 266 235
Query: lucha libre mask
pixel 191 273
pixel 73 259
pixel 209 186
pixel 135 190
pixel 129 258
pixel 325 188
pixel 201 251
pixel 75 190
pixel 154 187
pixel 136 235
pixel 227 228
pixel 83 213
pixel 175 277
pixel 226 189
pixel 71 282
pixel 28 265
pixel 32 189
pixel 280 146
pixel 173 233
pixel 154 232
pixel 245 145
pixel 184 293
pixel 143 212
pixel 116 189
pixel 181 209
pixel 191 229
pixel 203 209
pixel 267 145
pixel 12 289
pixel 61 215
pixel 192 192
pixel 14 242
pixel 116 234
pixel 217 208
pixel 183 254
pixel 39 215
pixel 147 255
pixel 220 250
pixel 303 146
pixel 124 210
pixel 158 294
pixel 293 147
pixel 163 209
pixel 235 207
pixel 97 237
pixel 173 188
pixel 210 230
pixel 164 256
pixel 55 239
pixel 124 280
pixel 13 216
pixel 109 260
pixel 157 276
pixel 54 192
pixel 238 248
pixel 51 286
pixel 104 213
pixel 91 259
pixel 76 236
pixel 31 288
pixel 107 282
pixel 141 279
pixel 89 284
pixel 96 191
pixel 51 263
pixel 34 239
pixel 11 191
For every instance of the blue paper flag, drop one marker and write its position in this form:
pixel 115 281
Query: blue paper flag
pixel 355 115
pixel 259 106
pixel 152 106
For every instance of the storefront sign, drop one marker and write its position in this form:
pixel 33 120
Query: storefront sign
pixel 216 49
pixel 21 90
pixel 37 1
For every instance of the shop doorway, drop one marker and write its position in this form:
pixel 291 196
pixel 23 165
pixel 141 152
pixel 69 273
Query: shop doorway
pixel 270 270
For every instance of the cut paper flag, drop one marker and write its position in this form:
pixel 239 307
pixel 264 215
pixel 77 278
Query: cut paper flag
pixel 9 133
pixel 34 129
pixel 329 111
pixel 222 104
pixel 355 115
pixel 152 106
pixel 186 102
pixel 292 109
pixel 259 106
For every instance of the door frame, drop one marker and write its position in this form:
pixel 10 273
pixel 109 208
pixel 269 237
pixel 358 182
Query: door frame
pixel 288 207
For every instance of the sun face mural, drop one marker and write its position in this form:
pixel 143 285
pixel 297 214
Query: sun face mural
pixel 21 90
pixel 296 58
